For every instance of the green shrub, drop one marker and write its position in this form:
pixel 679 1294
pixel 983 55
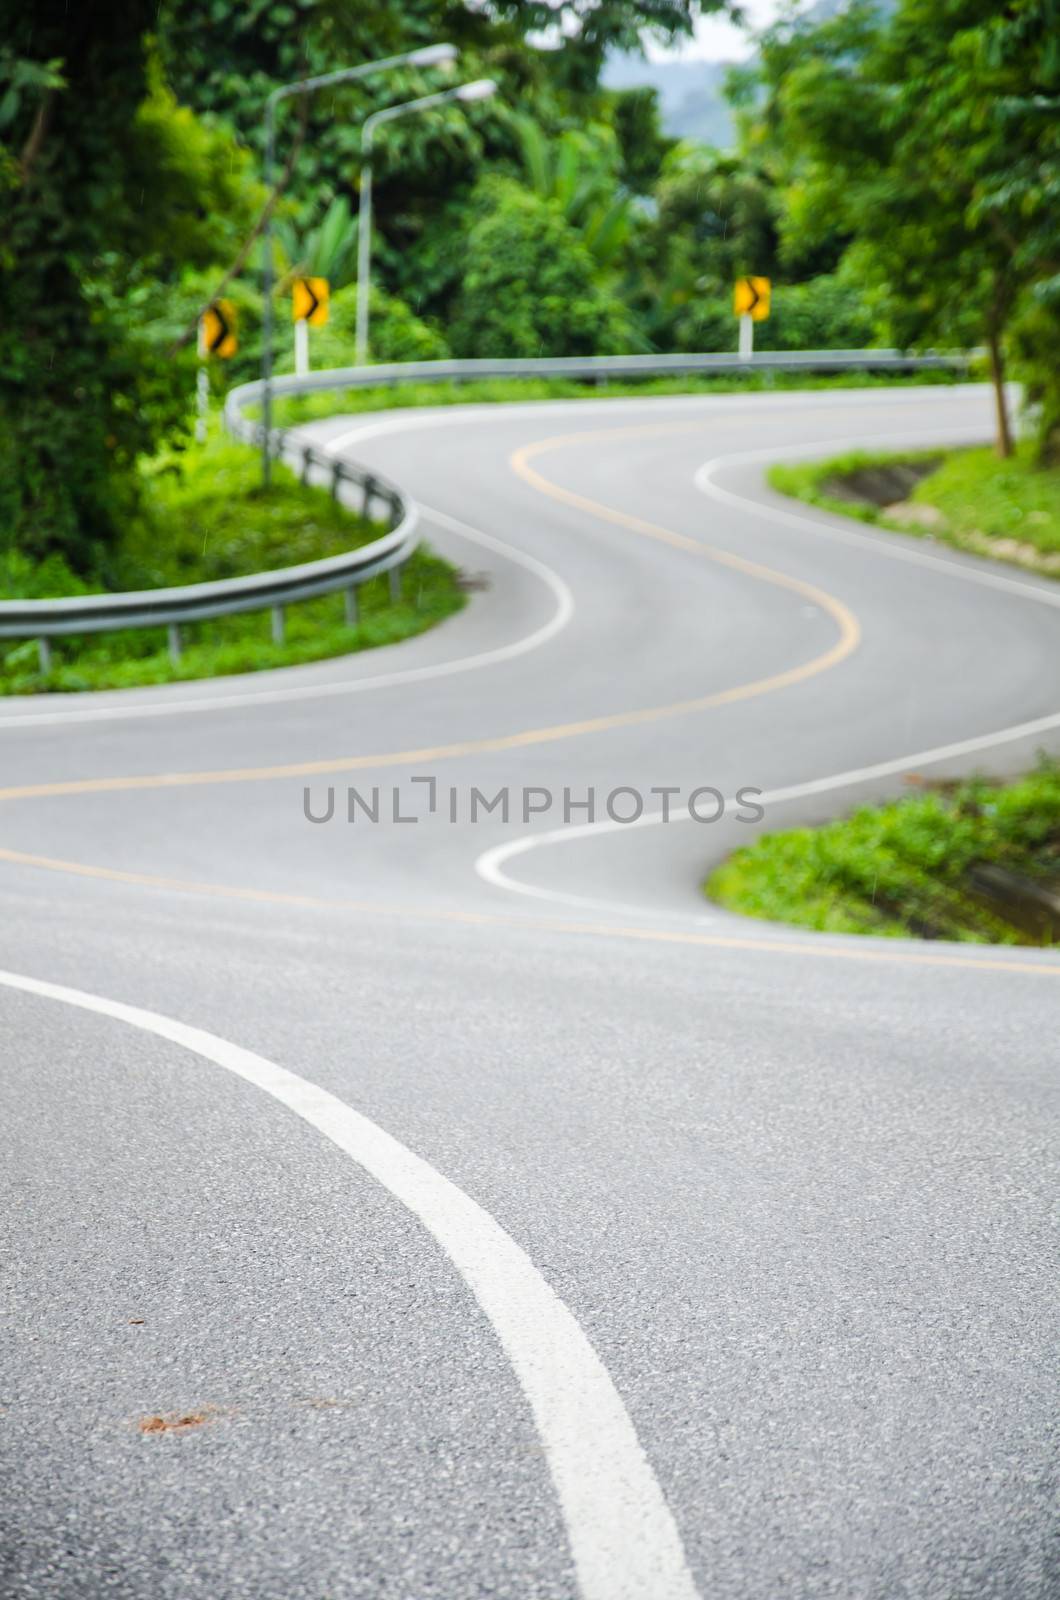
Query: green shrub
pixel 824 314
pixel 528 285
pixel 902 867
pixel 395 333
pixel 202 515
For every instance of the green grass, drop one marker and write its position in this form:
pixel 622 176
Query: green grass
pixel 1006 509
pixel 205 517
pixel 290 412
pixel 900 869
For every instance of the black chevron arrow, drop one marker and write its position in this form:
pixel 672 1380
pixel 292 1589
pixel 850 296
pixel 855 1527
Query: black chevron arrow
pixel 222 332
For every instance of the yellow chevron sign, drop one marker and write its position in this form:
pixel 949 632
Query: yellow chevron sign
pixel 310 297
pixel 751 298
pixel 219 329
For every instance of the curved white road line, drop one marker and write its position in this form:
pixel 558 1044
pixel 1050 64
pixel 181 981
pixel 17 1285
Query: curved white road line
pixel 490 864
pixel 413 418
pixel 166 706
pixel 623 1537
pixel 885 543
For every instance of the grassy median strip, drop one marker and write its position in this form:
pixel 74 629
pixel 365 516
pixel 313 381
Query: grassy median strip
pixel 1009 510
pixel 204 517
pixel 966 861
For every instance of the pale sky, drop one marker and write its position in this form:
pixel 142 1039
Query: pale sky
pixel 717 39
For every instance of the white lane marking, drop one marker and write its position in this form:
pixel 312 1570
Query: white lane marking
pixel 883 543
pixel 490 864
pixel 169 705
pixel 623 1537
pixel 561 616
pixel 377 424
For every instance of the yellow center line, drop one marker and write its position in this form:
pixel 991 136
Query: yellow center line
pixel 849 635
pixel 874 951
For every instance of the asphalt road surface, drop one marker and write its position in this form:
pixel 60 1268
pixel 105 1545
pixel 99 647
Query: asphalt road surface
pixel 459 1207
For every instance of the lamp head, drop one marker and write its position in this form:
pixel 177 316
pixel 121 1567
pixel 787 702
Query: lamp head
pixel 480 89
pixel 433 55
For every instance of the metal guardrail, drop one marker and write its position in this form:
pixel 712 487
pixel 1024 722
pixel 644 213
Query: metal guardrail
pixel 592 369
pixel 47 619
pixel 44 620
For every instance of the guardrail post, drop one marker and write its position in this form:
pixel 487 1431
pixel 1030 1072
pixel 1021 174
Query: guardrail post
pixel 173 641
pixel 277 624
pixel 350 598
pixel 395 583
pixel 336 478
pixel 44 655
pixel 369 496
pixel 307 461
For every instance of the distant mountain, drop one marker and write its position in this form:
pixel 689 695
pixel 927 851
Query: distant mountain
pixel 691 101
pixel 691 93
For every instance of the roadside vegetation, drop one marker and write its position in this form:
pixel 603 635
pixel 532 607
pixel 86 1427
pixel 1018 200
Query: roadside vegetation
pixel 202 515
pixel 1008 509
pixel 976 861
pixel 895 174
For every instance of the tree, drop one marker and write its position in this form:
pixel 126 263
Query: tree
pixel 397 335
pixel 1018 190
pixel 224 57
pixel 106 185
pixel 713 218
pixel 327 251
pixel 643 145
pixel 579 172
pixel 726 206
pixel 897 138
pixel 527 287
pixel 585 30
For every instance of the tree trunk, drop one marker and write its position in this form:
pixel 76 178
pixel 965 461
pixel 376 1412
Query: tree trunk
pixel 997 376
pixel 32 147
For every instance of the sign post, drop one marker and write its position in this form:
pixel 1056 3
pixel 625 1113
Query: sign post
pixel 309 307
pixel 750 303
pixel 217 337
pixel 202 388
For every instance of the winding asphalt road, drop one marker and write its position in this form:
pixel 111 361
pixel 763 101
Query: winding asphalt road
pixel 445 1208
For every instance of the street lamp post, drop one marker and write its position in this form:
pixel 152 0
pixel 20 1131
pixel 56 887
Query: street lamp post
pixel 430 55
pixel 480 89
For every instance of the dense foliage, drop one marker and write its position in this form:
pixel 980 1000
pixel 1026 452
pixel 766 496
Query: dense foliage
pixel 527 287
pixel 897 176
pixel 110 190
pixel 908 867
pixel 927 147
